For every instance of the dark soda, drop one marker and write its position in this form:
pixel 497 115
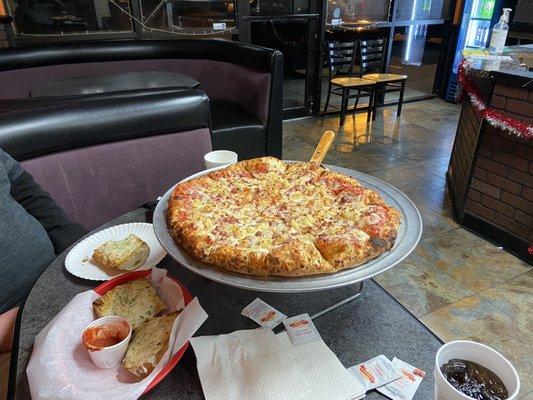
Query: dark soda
pixel 474 380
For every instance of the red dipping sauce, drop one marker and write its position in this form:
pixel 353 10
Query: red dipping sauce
pixel 106 335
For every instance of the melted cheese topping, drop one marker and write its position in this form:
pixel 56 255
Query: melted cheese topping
pixel 264 203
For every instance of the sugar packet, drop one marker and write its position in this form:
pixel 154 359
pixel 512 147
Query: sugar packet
pixel 301 329
pixel 405 387
pixel 263 314
pixel 376 372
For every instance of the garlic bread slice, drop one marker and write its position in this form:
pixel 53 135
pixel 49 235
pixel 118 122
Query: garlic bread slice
pixel 148 345
pixel 137 301
pixel 127 254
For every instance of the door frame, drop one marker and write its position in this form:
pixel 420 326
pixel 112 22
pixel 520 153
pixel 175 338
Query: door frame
pixel 313 19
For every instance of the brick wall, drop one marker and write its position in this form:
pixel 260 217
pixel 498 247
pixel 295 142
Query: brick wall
pixel 501 191
pixel 462 156
pixel 514 101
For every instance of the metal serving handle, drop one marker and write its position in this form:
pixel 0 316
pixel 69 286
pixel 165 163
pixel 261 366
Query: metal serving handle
pixel 322 147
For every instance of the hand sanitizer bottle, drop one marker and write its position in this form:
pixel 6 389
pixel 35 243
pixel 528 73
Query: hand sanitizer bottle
pixel 499 33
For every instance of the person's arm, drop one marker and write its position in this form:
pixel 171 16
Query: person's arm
pixel 43 208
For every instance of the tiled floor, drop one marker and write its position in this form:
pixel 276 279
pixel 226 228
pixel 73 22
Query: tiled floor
pixel 459 285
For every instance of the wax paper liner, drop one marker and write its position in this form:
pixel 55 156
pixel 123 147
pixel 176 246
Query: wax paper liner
pixel 60 367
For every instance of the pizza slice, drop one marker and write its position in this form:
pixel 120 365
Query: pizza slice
pixel 348 250
pixel 297 257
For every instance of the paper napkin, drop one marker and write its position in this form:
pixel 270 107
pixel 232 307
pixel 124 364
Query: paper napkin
pixel 259 365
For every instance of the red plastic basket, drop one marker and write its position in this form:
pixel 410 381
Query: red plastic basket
pixel 110 284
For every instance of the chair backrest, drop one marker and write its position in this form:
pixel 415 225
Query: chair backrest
pixel 340 57
pixel 100 159
pixel 371 55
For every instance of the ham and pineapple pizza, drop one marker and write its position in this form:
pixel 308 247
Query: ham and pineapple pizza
pixel 267 217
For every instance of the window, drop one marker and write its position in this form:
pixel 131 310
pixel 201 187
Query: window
pixel 419 9
pixel 278 7
pixel 357 11
pixel 188 16
pixel 60 17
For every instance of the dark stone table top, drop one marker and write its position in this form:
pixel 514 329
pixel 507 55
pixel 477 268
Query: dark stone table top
pixel 113 83
pixel 373 324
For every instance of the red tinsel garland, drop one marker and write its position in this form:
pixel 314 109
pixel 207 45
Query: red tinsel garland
pixel 468 88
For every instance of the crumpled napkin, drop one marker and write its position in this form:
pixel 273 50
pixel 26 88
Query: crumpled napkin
pixel 60 367
pixel 259 365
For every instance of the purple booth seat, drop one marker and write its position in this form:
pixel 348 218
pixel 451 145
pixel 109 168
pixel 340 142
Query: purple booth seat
pixel 103 158
pixel 97 183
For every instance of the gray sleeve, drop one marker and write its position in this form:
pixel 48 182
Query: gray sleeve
pixel 13 168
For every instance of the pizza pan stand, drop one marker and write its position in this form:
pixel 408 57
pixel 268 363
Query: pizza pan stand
pixel 358 292
pixel 408 236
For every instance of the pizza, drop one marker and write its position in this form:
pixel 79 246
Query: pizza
pixel 267 217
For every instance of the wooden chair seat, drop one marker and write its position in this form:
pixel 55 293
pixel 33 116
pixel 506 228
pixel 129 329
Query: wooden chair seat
pixel 385 78
pixel 352 82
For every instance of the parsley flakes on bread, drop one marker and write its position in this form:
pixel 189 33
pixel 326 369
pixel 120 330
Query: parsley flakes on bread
pixel 137 301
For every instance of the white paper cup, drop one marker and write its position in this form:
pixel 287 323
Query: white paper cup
pixel 478 353
pixel 107 356
pixel 220 158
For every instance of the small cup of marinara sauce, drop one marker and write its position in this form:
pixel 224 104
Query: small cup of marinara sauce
pixel 107 340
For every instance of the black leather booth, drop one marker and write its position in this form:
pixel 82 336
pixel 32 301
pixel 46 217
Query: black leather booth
pixel 243 82
pixel 101 158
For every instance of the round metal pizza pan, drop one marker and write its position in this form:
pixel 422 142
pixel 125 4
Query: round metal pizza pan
pixel 408 237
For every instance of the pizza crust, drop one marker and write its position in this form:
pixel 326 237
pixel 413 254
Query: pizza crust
pixel 265 217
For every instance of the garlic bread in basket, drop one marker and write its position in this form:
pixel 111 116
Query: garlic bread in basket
pixel 149 344
pixel 137 301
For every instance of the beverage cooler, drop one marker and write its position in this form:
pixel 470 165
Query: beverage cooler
pixel 478 18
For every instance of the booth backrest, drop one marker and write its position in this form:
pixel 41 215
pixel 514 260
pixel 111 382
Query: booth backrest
pixel 226 70
pixel 103 158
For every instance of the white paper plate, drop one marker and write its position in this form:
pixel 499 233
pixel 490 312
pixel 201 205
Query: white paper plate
pixel 79 260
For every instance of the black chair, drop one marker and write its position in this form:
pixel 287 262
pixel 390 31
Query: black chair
pixel 371 58
pixel 340 62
